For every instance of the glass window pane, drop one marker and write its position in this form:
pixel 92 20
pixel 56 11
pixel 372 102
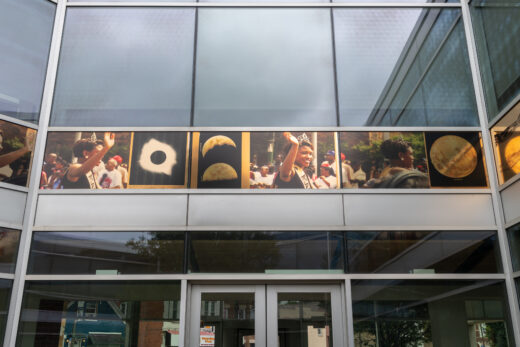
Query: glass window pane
pixel 125 67
pixel 513 235
pixel 423 252
pixel 403 67
pixel 269 252
pixel 9 242
pixel 412 159
pixel 506 136
pixel 144 159
pixel 26 27
pixel 496 28
pixel 123 314
pixel 426 313
pixel 16 147
pixel 5 297
pixel 131 0
pixel 227 319
pixel 106 252
pixel 304 319
pixel 264 67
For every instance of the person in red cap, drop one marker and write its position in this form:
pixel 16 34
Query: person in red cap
pixel 122 170
pixel 326 180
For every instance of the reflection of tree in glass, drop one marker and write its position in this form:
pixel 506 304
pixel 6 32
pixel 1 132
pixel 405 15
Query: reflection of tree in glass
pixel 496 333
pixel 161 248
pixel 233 251
pixel 392 333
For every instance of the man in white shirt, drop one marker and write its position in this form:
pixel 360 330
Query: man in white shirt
pixel 110 178
pixel 263 177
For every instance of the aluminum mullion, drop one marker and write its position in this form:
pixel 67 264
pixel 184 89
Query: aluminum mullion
pixel 509 182
pixel 72 128
pixel 18 121
pixel 492 170
pixel 349 313
pixel 512 223
pixel 195 191
pixel 6 276
pixel 183 310
pixel 10 225
pixel 263 4
pixel 217 228
pixel 10 186
pixel 261 277
pixel 38 154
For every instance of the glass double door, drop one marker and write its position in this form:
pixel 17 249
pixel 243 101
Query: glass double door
pixel 266 315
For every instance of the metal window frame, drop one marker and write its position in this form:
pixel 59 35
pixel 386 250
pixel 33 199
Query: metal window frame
pixel 20 277
pixel 492 170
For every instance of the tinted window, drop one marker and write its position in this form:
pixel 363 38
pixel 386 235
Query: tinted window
pixel 403 67
pixel 26 27
pixel 423 252
pixel 264 67
pixel 269 252
pixel 419 313
pixel 106 252
pixel 125 67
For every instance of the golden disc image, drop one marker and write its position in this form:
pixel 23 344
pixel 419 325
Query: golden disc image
pixel 453 156
pixel 219 172
pixel 219 140
pixel 512 154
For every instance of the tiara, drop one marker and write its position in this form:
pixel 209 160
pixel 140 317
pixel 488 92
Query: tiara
pixel 303 138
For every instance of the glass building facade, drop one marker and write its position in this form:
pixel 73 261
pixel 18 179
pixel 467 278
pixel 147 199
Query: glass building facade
pixel 237 174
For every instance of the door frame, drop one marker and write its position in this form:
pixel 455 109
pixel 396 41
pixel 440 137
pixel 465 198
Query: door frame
pixel 336 302
pixel 195 301
pixel 266 309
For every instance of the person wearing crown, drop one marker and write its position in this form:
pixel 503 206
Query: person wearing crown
pixel 298 157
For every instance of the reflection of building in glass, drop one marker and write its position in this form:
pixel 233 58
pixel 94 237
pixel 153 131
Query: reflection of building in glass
pixel 430 83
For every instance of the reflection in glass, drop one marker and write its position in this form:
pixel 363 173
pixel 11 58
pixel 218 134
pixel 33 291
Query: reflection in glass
pixel 9 242
pixel 506 136
pixel 266 251
pixel 496 28
pixel 16 147
pixel 423 252
pixel 227 319
pixel 435 312
pixel 123 314
pixel 403 67
pixel 5 296
pixel 26 28
pixel 125 67
pixel 264 67
pixel 304 319
pixel 106 252
pixel 513 235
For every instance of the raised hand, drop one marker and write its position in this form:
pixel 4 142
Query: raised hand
pixel 289 137
pixel 109 140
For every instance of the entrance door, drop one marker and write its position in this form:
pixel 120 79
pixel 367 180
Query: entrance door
pixel 261 316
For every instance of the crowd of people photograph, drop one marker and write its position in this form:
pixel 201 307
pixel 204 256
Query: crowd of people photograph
pixel 277 160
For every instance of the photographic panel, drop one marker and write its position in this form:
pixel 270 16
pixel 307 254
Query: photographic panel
pixel 16 148
pixel 506 139
pixel 220 160
pixel 159 160
pixel 313 165
pixel 383 160
pixel 455 159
